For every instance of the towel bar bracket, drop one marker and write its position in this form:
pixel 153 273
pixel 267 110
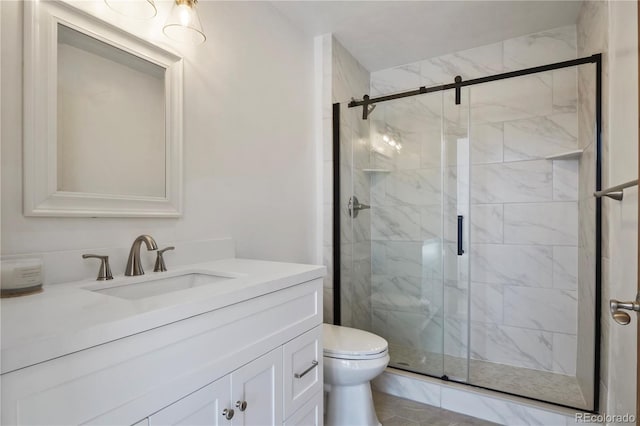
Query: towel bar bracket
pixel 616 192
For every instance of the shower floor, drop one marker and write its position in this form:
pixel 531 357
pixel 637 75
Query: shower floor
pixel 551 387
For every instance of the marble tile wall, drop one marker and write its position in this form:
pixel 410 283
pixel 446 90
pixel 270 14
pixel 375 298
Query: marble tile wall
pixel 323 54
pixel 592 37
pixel 524 230
pixel 348 79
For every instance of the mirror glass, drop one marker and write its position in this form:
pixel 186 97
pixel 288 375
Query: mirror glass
pixel 110 119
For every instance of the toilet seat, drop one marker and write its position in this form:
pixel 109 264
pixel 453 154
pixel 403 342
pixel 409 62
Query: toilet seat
pixel 350 343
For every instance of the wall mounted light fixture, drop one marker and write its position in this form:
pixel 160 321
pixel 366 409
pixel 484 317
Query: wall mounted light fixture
pixel 184 24
pixel 143 9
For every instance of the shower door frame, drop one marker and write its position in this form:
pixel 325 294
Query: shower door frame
pixel 457 86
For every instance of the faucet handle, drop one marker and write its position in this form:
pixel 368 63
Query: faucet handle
pixel 105 270
pixel 160 265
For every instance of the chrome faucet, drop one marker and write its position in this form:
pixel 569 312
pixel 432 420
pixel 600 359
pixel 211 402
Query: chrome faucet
pixel 134 266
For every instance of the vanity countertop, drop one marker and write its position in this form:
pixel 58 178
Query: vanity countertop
pixel 66 318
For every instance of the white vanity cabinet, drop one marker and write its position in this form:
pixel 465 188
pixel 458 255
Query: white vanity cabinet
pixel 262 351
pixel 251 395
pixel 310 414
pixel 258 386
pixel 302 369
pixel 203 407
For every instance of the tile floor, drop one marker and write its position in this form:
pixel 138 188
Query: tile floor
pixel 394 411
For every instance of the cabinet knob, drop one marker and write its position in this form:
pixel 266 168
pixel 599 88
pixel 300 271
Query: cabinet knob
pixel 241 405
pixel 228 413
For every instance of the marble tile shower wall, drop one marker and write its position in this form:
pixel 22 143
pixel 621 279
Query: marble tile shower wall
pixel 349 77
pixel 592 37
pixel 322 47
pixel 524 208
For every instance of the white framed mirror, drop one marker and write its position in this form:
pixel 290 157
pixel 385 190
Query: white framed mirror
pixel 102 118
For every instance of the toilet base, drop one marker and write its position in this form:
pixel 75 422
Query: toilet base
pixel 351 406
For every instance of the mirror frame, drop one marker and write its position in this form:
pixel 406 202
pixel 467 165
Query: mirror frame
pixel 40 185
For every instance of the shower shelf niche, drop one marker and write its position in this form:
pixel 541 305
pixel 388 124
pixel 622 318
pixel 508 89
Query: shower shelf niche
pixel 376 170
pixel 569 155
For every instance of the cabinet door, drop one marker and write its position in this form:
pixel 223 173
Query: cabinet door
pixel 202 407
pixel 259 385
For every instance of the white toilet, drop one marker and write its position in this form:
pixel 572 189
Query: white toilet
pixel 352 358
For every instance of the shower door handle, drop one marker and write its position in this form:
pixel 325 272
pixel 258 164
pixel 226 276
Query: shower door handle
pixel 460 230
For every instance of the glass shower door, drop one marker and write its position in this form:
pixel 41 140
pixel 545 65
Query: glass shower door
pixel 399 231
pixel 355 221
pixel 404 229
pixel 473 251
pixel 456 214
pixel 407 230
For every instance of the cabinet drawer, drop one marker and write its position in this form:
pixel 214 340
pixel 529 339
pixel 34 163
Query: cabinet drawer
pixel 302 369
pixel 310 414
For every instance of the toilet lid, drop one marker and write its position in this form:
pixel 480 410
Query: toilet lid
pixel 345 342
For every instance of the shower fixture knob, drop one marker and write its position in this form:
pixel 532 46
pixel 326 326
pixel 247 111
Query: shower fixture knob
pixel 355 206
pixel 616 307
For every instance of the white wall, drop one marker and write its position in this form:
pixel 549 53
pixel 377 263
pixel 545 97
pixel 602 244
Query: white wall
pixel 250 159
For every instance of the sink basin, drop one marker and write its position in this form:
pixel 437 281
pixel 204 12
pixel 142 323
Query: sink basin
pixel 157 286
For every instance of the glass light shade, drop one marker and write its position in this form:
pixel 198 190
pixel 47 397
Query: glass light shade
pixel 143 9
pixel 183 24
